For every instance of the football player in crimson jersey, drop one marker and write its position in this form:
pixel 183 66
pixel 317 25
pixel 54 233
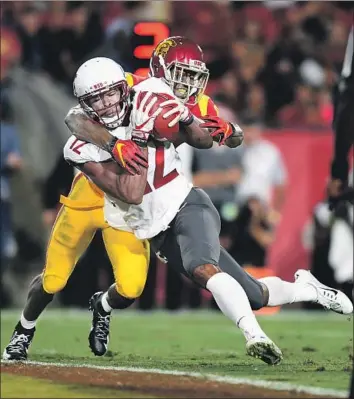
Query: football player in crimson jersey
pixel 103 105
pixel 183 227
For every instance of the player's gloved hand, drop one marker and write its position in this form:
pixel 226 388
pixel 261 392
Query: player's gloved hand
pixel 128 155
pixel 223 129
pixel 183 114
pixel 141 118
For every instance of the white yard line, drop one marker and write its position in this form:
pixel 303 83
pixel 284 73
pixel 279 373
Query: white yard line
pixel 284 316
pixel 274 385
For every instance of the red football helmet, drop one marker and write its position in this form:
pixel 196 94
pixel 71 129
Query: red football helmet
pixel 179 61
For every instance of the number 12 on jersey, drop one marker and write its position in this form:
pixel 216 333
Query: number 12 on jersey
pixel 159 178
pixel 76 145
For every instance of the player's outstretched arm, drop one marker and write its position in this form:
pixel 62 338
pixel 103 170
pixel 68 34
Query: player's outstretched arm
pixel 114 181
pixel 200 133
pixel 194 135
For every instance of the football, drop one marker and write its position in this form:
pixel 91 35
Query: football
pixel 161 129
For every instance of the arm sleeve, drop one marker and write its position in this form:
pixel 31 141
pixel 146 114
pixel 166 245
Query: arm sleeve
pixel 212 108
pixel 205 106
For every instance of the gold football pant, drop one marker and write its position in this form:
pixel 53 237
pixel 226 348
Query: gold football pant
pixel 81 214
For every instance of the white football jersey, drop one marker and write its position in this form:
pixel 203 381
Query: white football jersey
pixel 80 152
pixel 165 192
pixel 166 188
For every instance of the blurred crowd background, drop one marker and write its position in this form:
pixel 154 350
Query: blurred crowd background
pixel 273 66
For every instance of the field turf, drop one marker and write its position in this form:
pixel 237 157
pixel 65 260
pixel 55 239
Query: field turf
pixel 317 346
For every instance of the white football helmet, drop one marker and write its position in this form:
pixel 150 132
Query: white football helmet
pixel 98 76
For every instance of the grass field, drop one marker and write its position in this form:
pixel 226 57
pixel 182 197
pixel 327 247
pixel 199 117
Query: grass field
pixel 317 347
pixel 13 386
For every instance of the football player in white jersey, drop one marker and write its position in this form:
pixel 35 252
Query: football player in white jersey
pixel 183 227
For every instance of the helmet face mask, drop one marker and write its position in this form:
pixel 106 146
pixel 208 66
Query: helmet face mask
pixel 188 82
pixel 108 105
pixel 179 62
pixel 102 91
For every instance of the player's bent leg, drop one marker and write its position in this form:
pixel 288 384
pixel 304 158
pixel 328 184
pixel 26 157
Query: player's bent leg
pixel 256 291
pixel 196 231
pixel 306 289
pixel 37 300
pixel 71 235
pixel 233 302
pixel 130 261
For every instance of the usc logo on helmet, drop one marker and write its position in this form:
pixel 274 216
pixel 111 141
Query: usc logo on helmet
pixel 162 48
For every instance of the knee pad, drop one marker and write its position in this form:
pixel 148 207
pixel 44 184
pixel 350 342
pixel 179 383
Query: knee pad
pixel 53 284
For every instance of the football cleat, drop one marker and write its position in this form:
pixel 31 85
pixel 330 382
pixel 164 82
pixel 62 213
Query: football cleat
pixel 263 348
pixel 99 333
pixel 20 341
pixel 328 297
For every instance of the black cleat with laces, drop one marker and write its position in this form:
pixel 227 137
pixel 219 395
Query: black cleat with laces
pixel 99 334
pixel 20 341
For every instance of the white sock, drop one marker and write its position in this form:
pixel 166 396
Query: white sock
pixel 233 302
pixel 104 303
pixel 28 325
pixel 282 292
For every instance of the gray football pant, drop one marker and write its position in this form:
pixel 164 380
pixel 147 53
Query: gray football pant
pixel 193 240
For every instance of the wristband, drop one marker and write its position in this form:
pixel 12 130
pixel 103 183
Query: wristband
pixel 189 121
pixel 140 139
